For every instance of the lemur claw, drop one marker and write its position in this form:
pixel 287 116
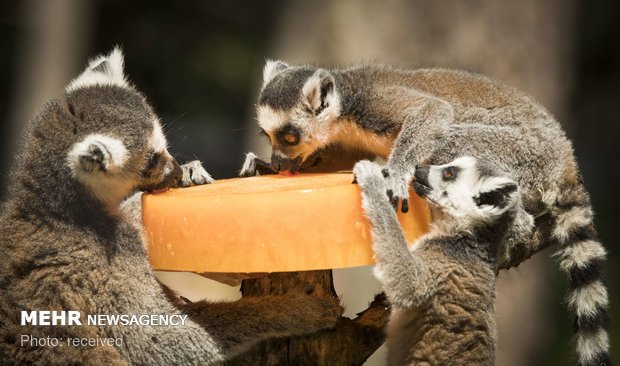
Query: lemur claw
pixel 394 202
pixel 397 188
pixel 194 174
pixel 405 206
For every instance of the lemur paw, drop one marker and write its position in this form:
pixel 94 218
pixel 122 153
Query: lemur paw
pixel 253 166
pixel 368 176
pixel 249 168
pixel 194 174
pixel 397 185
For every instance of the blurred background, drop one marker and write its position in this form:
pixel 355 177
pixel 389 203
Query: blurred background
pixel 200 65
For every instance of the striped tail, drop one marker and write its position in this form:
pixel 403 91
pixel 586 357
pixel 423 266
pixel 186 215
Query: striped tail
pixel 582 257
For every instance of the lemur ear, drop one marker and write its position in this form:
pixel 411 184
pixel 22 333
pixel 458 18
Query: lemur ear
pixel 97 153
pixel 498 192
pixel 272 68
pixel 102 70
pixel 320 92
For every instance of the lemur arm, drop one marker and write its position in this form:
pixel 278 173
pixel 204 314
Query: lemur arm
pixel 402 274
pixel 253 165
pixel 236 326
pixel 424 123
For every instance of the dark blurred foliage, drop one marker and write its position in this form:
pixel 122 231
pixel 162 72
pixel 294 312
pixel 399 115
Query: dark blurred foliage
pixel 8 45
pixel 200 63
pixel 595 107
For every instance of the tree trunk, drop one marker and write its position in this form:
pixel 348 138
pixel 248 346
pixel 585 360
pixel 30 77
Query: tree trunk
pixel 51 49
pixel 351 342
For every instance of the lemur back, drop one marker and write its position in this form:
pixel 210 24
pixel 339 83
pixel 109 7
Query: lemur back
pixel 67 245
pixel 432 116
pixel 442 290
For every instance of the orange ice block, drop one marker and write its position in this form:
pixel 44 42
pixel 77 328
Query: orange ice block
pixel 266 224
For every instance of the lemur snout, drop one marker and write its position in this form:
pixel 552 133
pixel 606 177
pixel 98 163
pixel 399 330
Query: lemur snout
pixel 421 185
pixel 421 174
pixel 174 178
pixel 177 171
pixel 281 163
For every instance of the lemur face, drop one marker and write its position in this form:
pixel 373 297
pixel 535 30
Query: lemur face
pixel 296 109
pixel 466 191
pixel 120 144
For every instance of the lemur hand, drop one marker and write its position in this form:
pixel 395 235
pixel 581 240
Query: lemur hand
pixel 397 184
pixel 368 176
pixel 253 166
pixel 194 174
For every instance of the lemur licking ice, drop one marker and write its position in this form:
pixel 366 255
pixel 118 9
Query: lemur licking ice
pixel 432 116
pixel 442 290
pixel 66 244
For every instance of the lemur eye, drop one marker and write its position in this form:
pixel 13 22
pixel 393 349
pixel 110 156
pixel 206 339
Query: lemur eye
pixel 449 173
pixel 288 135
pixel 291 139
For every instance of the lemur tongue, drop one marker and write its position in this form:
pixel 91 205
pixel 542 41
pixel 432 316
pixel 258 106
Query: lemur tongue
pixel 156 191
pixel 288 173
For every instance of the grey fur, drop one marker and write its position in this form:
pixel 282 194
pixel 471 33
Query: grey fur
pixel 292 83
pixel 67 246
pixel 442 290
pixel 432 116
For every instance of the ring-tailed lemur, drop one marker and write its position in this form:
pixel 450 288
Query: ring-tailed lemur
pixel 432 116
pixel 66 246
pixel 442 290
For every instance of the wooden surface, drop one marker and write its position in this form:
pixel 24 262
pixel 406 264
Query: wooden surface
pixel 351 342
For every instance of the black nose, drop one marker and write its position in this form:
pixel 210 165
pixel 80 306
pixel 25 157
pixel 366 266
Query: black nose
pixel 281 163
pixel 421 185
pixel 421 174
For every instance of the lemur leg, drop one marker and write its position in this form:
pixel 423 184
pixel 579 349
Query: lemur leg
pixel 582 256
pixel 399 271
pixel 247 321
pixel 423 126
pixel 253 165
pixel 216 332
